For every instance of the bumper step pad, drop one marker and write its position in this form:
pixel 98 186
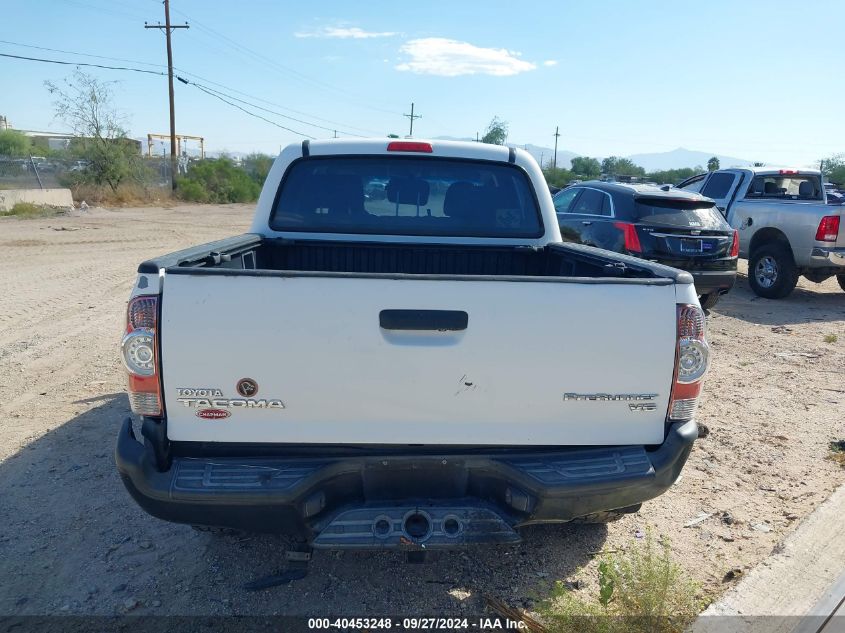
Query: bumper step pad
pixel 416 527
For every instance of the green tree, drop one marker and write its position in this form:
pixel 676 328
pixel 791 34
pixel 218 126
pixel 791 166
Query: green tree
pixel 558 176
pixel 833 168
pixel 616 166
pixel 86 105
pixel 713 164
pixel 258 166
pixel 586 167
pixel 217 180
pixel 496 133
pixel 672 176
pixel 14 143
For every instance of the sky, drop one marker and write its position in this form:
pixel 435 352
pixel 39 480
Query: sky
pixel 753 79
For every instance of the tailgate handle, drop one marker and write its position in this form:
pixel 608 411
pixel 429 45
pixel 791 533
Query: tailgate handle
pixel 440 320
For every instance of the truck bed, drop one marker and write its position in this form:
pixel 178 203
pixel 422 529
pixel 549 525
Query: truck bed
pixel 253 254
pixel 456 373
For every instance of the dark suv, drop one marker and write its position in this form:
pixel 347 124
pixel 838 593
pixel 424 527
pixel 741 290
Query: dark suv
pixel 676 228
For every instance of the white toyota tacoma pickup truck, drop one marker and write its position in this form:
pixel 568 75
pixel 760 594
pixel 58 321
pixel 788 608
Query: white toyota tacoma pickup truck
pixel 402 353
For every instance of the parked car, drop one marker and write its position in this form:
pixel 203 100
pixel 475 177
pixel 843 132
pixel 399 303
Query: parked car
pixel 674 228
pixel 424 371
pixel 834 197
pixel 786 228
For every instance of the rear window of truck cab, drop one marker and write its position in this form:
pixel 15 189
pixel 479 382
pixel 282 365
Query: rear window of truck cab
pixel 406 196
pixel 789 186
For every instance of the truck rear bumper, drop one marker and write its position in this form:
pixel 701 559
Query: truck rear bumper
pixel 408 500
pixel 713 281
pixel 820 257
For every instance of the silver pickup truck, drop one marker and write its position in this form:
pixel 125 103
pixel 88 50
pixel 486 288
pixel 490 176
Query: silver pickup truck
pixel 786 229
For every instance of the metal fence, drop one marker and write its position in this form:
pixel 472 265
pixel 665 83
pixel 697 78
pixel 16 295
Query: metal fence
pixel 39 172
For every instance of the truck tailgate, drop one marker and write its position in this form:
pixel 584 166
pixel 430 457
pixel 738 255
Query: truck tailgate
pixel 316 343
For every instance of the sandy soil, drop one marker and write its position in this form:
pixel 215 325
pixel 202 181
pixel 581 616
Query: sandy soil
pixel 72 541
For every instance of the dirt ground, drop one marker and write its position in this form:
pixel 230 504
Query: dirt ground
pixel 72 541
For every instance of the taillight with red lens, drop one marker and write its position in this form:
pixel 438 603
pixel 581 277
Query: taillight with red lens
pixel 139 352
pixel 629 232
pixel 828 230
pixel 735 245
pixel 409 146
pixel 692 358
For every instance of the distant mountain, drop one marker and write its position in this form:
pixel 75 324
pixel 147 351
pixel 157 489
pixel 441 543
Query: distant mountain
pixel 655 161
pixel 681 157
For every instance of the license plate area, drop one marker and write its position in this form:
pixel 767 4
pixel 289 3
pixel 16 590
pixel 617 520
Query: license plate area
pixel 692 246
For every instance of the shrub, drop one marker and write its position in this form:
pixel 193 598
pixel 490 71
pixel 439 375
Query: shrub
pixel 192 191
pixel 29 210
pixel 640 589
pixel 837 452
pixel 14 143
pixel 217 180
pixel 258 166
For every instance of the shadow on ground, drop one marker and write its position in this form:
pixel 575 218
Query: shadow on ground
pixel 802 306
pixel 72 541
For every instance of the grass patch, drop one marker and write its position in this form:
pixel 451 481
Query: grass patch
pixel 837 452
pixel 127 194
pixel 640 590
pixel 29 210
pixel 830 338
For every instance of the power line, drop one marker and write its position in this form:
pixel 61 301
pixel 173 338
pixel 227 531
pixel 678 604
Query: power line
pixel 58 50
pixel 258 116
pixel 218 36
pixel 65 63
pixel 182 71
pixel 157 73
pixel 285 116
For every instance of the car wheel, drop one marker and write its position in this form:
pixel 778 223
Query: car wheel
pixel 709 300
pixel 772 272
pixel 841 280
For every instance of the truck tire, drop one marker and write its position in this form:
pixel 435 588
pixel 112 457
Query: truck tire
pixel 709 300
pixel 841 280
pixel 772 272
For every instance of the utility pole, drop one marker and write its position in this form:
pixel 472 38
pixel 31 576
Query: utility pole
pixel 557 135
pixel 412 116
pixel 168 29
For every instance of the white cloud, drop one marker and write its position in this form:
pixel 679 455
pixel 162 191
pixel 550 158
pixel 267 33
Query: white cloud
pixel 451 58
pixel 344 33
pixel 550 62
